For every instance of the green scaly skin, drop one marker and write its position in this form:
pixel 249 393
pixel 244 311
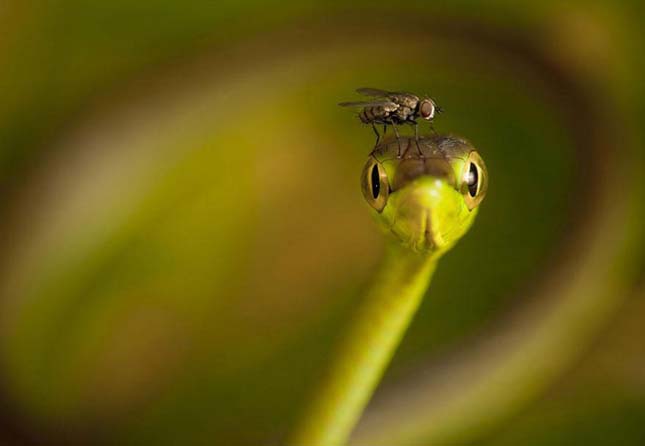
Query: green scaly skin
pixel 424 205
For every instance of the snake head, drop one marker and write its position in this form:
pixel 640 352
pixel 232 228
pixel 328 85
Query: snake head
pixel 427 198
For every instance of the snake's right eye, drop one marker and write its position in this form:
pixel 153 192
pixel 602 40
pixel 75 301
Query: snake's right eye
pixel 374 184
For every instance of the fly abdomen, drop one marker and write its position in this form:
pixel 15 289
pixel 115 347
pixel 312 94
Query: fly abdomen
pixel 364 117
pixel 377 114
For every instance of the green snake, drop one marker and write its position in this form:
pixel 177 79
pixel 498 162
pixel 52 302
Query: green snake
pixel 425 201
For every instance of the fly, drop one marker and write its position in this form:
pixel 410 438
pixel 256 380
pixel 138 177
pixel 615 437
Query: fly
pixel 393 108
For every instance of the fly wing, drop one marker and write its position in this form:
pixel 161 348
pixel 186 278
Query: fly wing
pixel 386 104
pixel 374 92
pixel 401 98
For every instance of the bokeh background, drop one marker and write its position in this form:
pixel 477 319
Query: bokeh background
pixel 183 238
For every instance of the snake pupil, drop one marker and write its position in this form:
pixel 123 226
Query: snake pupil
pixel 376 182
pixel 473 180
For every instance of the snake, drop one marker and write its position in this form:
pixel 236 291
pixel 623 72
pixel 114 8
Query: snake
pixel 425 200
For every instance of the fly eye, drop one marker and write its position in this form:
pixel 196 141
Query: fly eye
pixel 427 109
pixel 475 180
pixel 375 185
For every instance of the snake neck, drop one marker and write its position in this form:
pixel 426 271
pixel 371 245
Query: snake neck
pixel 368 346
pixel 404 273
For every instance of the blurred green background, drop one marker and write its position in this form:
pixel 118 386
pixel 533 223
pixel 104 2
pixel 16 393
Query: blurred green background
pixel 183 237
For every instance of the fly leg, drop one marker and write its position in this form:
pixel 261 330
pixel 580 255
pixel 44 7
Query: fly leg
pixel 416 138
pixel 384 129
pixel 398 139
pixel 378 136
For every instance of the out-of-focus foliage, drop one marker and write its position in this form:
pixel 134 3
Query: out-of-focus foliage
pixel 183 236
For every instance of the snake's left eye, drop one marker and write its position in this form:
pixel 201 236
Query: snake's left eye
pixel 375 185
pixel 474 180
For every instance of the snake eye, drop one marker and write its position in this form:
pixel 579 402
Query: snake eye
pixel 374 184
pixel 472 179
pixel 475 180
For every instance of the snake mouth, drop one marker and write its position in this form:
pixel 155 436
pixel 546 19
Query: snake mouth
pixel 428 238
pixel 419 214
